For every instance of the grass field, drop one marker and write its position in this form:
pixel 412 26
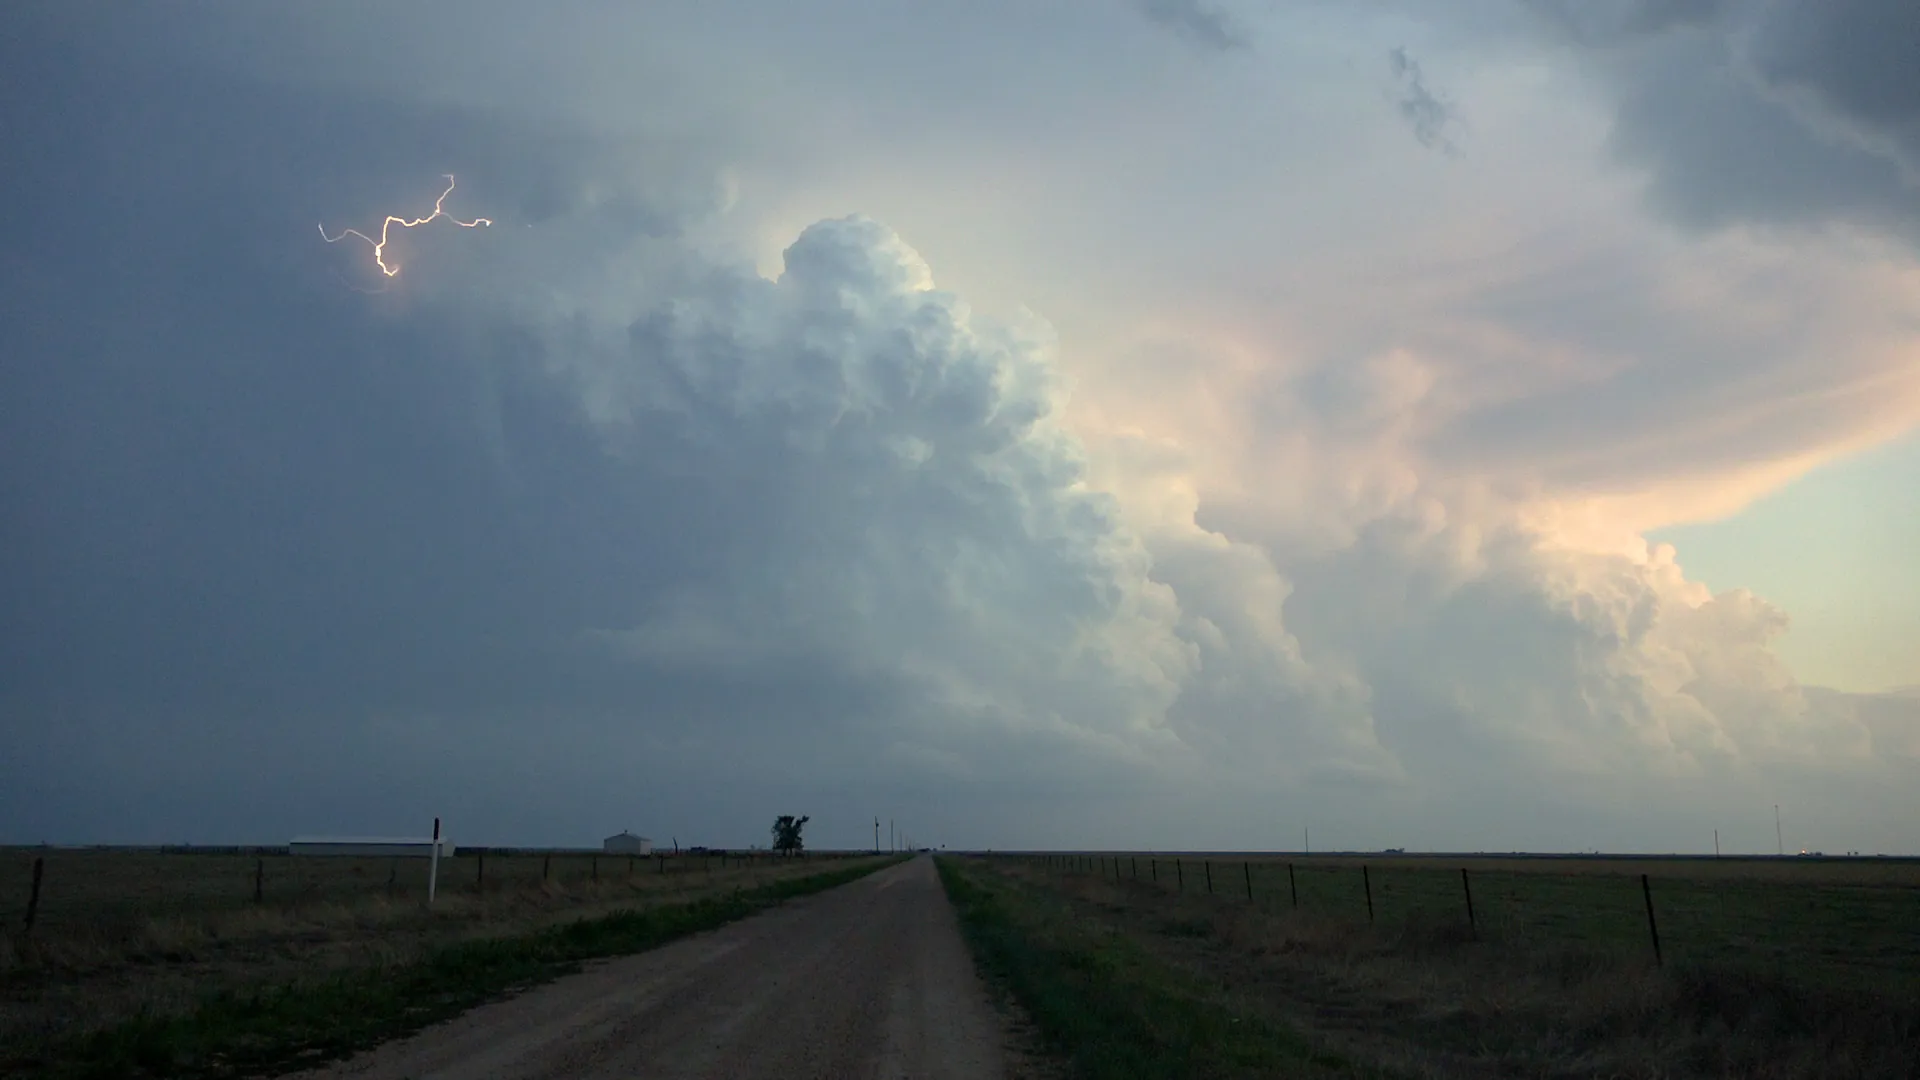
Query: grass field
pixel 125 934
pixel 1773 969
pixel 1846 922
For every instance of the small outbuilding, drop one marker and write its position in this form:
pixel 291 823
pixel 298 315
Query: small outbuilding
pixel 417 847
pixel 625 843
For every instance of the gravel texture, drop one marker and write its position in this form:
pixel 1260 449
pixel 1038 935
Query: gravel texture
pixel 867 980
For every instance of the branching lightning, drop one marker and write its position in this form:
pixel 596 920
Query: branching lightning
pixel 380 246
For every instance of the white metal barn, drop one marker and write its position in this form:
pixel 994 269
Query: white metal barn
pixel 418 847
pixel 625 843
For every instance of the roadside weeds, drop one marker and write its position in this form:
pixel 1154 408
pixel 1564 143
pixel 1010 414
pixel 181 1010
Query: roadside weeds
pixel 1111 1009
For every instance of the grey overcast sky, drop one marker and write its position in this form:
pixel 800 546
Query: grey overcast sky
pixel 1112 422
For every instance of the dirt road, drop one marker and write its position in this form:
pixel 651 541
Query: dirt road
pixel 868 980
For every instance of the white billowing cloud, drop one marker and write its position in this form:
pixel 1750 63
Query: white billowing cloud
pixel 921 511
pixel 917 508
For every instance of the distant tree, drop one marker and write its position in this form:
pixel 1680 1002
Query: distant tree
pixel 786 834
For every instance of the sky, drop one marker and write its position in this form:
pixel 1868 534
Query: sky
pixel 1114 423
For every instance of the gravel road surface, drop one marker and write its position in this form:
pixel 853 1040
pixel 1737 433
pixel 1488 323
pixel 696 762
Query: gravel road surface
pixel 867 980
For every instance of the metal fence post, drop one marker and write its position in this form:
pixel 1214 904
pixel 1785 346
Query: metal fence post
pixel 1367 883
pixel 1247 869
pixel 1293 887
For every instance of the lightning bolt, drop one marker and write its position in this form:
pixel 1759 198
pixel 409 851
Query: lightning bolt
pixel 380 246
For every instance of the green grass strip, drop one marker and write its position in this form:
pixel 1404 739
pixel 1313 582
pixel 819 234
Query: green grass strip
pixel 305 1024
pixel 1116 1012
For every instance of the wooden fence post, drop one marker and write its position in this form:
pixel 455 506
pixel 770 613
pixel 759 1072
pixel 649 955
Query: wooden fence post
pixel 1208 864
pixel 1133 863
pixel 1466 886
pixel 33 894
pixel 1653 929
pixel 433 864
pixel 1180 876
pixel 1367 883
pixel 1247 869
pixel 546 867
pixel 1293 887
pixel 1153 868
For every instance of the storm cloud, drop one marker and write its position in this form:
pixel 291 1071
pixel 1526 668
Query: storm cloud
pixel 675 499
pixel 1777 112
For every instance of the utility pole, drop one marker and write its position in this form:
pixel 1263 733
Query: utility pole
pixel 876 836
pixel 1306 838
pixel 1780 846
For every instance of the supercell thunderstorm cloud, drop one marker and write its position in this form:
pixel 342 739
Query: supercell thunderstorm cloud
pixel 1097 444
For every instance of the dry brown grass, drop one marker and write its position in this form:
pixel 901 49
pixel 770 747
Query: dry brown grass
pixel 126 933
pixel 1421 996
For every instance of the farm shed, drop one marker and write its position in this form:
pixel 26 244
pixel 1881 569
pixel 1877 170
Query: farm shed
pixel 625 843
pixel 370 846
